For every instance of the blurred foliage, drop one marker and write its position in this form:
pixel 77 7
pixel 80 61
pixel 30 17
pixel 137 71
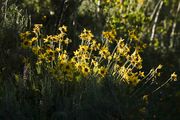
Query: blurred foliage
pixel 13 21
pixel 26 94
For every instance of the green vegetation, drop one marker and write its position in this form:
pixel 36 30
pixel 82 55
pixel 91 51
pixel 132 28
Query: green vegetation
pixel 89 60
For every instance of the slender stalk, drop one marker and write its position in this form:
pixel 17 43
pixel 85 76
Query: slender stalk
pixel 154 11
pixel 98 5
pixel 155 21
pixel 162 85
pixel 5 9
pixel 148 77
pixel 174 27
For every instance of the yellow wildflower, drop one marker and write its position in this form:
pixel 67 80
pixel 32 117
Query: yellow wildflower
pixel 134 80
pixel 104 52
pixel 26 43
pixel 158 73
pixel 37 28
pixel 78 66
pixel 66 67
pixel 141 74
pixel 25 35
pixel 94 63
pixel 102 71
pixel 95 46
pixel 48 38
pixel 76 53
pixel 63 57
pixel 136 60
pixel 67 41
pixel 63 28
pixel 36 49
pixel 174 76
pixel 50 52
pixel 133 36
pixel 83 48
pixel 86 35
pixel 58 49
pixel 85 70
pixel 84 57
pixel 109 35
pixel 50 58
pixel 159 66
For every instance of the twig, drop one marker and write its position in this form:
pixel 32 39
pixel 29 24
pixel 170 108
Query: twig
pixel 155 9
pixel 173 27
pixel 155 21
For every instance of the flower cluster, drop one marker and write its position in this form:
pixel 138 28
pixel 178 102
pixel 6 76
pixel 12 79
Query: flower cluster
pixel 90 59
